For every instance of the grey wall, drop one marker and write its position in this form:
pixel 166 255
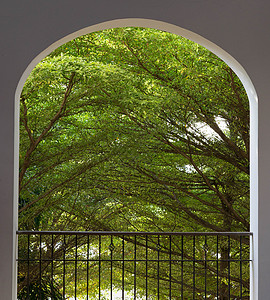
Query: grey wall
pixel 240 27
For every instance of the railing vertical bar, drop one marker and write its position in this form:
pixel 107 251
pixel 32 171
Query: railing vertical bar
pixel 40 266
pixel 64 267
pixel 76 261
pixel 111 267
pixel 99 267
pixel 135 265
pixel 158 267
pixel 170 271
pixel 52 268
pixel 217 268
pixel 87 270
pixel 241 276
pixel 194 258
pixel 146 267
pixel 182 267
pixel 28 266
pixel 123 267
pixel 205 268
pixel 229 268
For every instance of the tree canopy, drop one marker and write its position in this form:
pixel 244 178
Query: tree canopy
pixel 134 129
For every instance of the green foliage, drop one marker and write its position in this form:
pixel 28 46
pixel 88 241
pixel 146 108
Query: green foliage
pixel 43 291
pixel 134 129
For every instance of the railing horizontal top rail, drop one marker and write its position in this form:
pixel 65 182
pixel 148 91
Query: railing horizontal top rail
pixel 117 233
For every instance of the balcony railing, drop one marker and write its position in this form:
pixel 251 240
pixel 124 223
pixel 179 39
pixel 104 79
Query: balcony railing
pixel 133 265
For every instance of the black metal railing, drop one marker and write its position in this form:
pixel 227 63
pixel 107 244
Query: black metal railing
pixel 133 265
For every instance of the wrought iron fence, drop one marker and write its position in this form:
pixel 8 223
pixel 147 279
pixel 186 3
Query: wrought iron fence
pixel 133 265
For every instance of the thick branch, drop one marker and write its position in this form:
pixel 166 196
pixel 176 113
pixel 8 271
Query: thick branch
pixel 35 143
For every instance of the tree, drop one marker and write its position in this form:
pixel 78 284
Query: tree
pixel 134 129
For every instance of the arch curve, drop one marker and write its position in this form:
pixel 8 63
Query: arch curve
pixel 222 54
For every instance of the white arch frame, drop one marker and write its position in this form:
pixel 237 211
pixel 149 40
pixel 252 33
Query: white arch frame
pixel 222 54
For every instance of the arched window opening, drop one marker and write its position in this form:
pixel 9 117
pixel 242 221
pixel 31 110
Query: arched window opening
pixel 135 130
